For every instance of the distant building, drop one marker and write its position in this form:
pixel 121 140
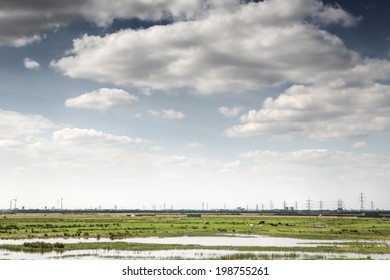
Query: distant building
pixel 194 215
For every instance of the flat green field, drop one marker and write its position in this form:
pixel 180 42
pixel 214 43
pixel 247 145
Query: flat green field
pixel 117 226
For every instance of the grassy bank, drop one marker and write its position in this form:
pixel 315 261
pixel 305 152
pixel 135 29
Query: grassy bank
pixel 347 247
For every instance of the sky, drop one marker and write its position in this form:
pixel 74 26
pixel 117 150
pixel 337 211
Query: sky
pixel 178 104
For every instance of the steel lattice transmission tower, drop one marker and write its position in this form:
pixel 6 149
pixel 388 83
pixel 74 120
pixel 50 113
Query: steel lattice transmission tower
pixel 361 200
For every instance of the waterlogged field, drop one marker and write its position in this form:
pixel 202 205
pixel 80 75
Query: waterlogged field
pixel 120 235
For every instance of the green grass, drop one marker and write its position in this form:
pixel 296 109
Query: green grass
pixel 121 226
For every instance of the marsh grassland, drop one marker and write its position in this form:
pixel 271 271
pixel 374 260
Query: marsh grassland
pixel 340 235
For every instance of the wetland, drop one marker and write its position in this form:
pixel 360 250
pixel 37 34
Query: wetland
pixel 127 236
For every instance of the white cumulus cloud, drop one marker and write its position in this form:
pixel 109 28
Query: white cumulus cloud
pixel 14 124
pixel 229 167
pixel 262 44
pixel 31 64
pixel 104 98
pixel 167 114
pixel 172 114
pixel 90 136
pixel 24 22
pixel 319 113
pixel 230 112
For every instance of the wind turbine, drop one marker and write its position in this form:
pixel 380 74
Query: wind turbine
pixel 15 199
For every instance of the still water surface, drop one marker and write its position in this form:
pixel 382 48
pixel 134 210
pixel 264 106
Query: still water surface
pixel 233 240
pixel 236 240
pixel 173 254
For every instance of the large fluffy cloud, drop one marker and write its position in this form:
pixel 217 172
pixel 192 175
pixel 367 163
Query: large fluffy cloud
pixel 258 44
pixel 24 21
pixel 104 98
pixel 320 113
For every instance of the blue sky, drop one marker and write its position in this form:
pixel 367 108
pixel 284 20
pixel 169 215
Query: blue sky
pixel 230 103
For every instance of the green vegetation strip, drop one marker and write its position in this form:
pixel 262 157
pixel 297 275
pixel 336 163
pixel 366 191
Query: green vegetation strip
pixel 21 226
pixel 348 247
